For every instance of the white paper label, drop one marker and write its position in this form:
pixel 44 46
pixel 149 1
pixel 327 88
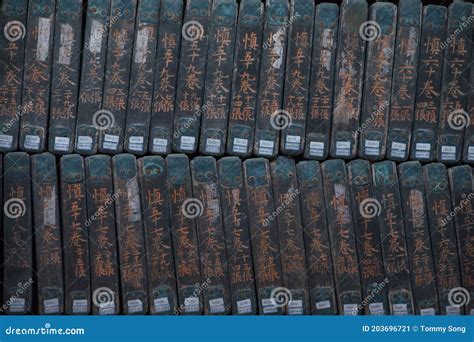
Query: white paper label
pixel 95 39
pixel 269 306
pixel 17 305
pixel 44 32
pixel 61 144
pixel 134 305
pixel 6 141
pixel 110 142
pixel 135 143
pixel 343 148
pixel 65 44
pixel 141 45
pixel 84 143
pixel 453 310
pixel 79 305
pixel 213 145
pixel 107 308
pixel 295 307
pixel 32 142
pixel 326 304
pixel 187 143
pixel 398 150
pixel 265 147
pixel 316 149
pixel 448 152
pixel 422 150
pixel 160 145
pixel 217 305
pixel 376 309
pixel 400 309
pixel 350 309
pixel 191 304
pixel 372 147
pixel 470 153
pixel 427 312
pixel 161 304
pixel 240 145
pixel 292 142
pixel 471 313
pixel 51 306
pixel 244 306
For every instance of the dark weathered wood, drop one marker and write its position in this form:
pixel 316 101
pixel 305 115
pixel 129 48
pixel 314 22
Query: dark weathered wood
pixel 104 262
pixel 37 75
pixel 297 76
pixel 237 234
pixel 48 246
pixel 192 66
pixel 342 237
pixel 166 74
pixel 13 17
pixel 290 234
pixel 140 92
pixel 246 77
pixel 392 236
pixel 18 235
pixel 212 250
pixel 321 94
pixel 219 71
pixel 185 240
pixel 65 76
pixel 110 121
pixel 154 195
pixel 270 118
pixel 77 293
pixel 443 235
pixel 365 209
pixel 131 240
pixel 264 234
